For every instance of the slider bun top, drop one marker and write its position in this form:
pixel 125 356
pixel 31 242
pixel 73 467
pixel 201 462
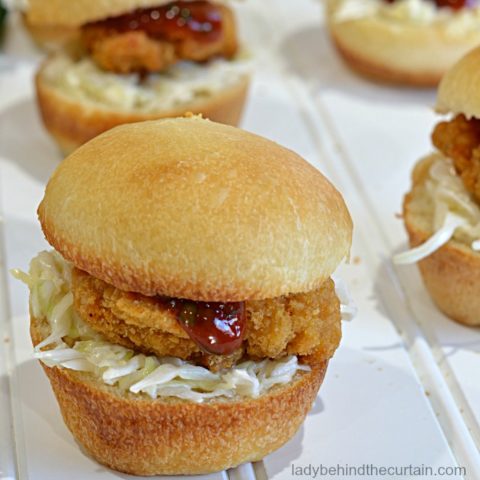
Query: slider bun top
pixel 459 90
pixel 191 208
pixel 75 13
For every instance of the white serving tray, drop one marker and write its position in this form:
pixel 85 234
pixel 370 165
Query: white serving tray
pixel 403 387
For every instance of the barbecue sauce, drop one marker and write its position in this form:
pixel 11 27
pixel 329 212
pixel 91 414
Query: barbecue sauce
pixel 216 327
pixel 197 20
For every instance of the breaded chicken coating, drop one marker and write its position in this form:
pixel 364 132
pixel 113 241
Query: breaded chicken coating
pixel 137 51
pixel 304 324
pixel 459 139
pixel 129 52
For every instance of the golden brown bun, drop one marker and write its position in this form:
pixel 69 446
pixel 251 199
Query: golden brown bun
pixel 458 92
pixel 50 37
pixel 137 435
pixel 452 273
pixel 72 122
pixel 70 13
pixel 399 53
pixel 191 208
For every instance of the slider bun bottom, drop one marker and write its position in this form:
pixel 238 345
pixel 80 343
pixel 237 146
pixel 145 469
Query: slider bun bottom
pixel 399 54
pixel 72 123
pixel 452 273
pixel 137 435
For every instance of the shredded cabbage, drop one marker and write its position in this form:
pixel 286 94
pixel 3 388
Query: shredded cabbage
pixel 455 214
pixel 348 309
pixel 74 345
pixel 181 84
pixel 443 235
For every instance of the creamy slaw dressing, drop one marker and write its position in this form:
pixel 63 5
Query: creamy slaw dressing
pixel 417 12
pixel 182 84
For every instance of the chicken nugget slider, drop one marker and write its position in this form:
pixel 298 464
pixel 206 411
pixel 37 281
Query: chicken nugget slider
pixel 407 42
pixel 138 60
pixel 188 305
pixel 442 211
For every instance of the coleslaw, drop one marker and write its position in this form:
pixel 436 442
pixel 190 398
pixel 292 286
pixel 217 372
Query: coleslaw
pixel 455 213
pixel 72 344
pixel 181 84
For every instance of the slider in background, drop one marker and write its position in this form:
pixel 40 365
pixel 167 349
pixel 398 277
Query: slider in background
pixel 442 210
pixel 188 305
pixel 405 42
pixel 137 60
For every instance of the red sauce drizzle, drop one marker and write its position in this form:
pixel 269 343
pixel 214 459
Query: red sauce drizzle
pixel 454 4
pixel 175 21
pixel 217 328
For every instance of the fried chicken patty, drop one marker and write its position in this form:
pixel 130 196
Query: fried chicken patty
pixel 136 51
pixel 305 324
pixel 459 139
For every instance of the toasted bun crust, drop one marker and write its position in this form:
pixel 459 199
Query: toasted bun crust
pixel 399 52
pixel 452 273
pixel 72 122
pixel 140 436
pixel 191 208
pixel 458 92
pixel 50 37
pixel 73 14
